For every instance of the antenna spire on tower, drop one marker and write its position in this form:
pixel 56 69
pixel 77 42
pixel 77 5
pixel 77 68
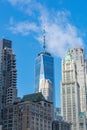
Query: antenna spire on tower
pixel 44 40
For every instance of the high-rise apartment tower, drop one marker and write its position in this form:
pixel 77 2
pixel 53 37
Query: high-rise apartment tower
pixel 8 75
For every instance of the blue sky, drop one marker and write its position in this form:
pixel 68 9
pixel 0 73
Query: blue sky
pixel 22 21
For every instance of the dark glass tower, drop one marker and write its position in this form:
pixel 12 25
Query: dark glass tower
pixel 44 69
pixel 44 73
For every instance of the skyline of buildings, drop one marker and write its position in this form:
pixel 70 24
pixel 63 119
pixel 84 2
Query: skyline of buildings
pixel 34 111
pixel 73 92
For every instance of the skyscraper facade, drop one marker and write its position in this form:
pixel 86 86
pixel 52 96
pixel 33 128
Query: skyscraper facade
pixel 73 88
pixel 80 61
pixel 46 89
pixel 44 70
pixel 8 75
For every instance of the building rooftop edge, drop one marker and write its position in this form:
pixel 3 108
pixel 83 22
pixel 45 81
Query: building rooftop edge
pixel 35 97
pixel 4 39
pixel 44 53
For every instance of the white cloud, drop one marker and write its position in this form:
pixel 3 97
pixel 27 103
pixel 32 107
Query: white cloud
pixel 23 28
pixel 60 33
pixel 60 39
pixel 30 7
pixel 19 2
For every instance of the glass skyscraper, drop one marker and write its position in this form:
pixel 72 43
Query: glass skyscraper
pixel 44 69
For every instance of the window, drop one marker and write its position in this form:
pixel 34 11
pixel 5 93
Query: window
pixel 81 125
pixel 68 90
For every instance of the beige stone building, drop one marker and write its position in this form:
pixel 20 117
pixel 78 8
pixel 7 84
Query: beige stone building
pixel 47 89
pixel 73 88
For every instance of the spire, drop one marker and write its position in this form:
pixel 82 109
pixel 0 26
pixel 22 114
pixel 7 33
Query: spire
pixel 44 40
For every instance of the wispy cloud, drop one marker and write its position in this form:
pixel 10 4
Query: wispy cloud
pixel 19 2
pixel 61 34
pixel 30 7
pixel 23 27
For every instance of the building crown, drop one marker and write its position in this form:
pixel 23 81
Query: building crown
pixel 68 56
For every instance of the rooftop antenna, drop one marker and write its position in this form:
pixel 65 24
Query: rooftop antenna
pixel 44 40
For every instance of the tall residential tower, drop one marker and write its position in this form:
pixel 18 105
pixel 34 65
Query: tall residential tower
pixel 8 76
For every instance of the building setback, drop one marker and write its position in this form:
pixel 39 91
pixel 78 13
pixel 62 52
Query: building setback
pixel 8 76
